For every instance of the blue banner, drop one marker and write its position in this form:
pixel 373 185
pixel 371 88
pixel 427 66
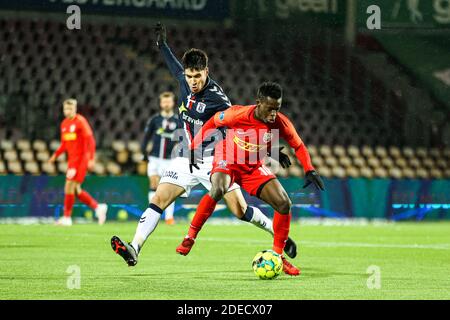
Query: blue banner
pixel 186 9
pixel 43 196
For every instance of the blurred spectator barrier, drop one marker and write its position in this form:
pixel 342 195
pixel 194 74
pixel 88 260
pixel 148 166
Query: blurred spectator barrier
pixel 42 196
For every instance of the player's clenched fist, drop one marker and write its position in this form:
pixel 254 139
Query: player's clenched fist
pixel 160 32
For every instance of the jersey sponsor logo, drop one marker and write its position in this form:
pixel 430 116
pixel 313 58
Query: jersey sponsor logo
pixel 69 136
pixel 247 146
pixel 200 107
pixel 267 137
pixel 222 116
pixel 191 120
pixel 171 175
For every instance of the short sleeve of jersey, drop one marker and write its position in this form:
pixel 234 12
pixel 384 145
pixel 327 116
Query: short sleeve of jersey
pixel 288 131
pixel 229 117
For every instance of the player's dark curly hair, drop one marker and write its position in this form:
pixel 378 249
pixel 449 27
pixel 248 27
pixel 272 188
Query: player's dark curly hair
pixel 195 59
pixel 270 89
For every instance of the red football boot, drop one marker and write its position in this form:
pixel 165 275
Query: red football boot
pixel 289 268
pixel 185 247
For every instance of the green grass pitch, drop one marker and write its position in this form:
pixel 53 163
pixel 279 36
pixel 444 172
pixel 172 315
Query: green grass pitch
pixel 413 260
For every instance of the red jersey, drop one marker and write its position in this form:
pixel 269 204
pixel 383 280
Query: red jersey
pixel 77 140
pixel 248 139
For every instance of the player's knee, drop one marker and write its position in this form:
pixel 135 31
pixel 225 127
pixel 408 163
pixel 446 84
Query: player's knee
pixel 217 192
pixel 284 205
pixel 160 200
pixel 70 187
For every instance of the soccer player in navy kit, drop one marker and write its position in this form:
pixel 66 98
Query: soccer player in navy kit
pixel 160 131
pixel 200 98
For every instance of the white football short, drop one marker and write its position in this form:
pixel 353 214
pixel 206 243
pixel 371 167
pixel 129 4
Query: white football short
pixel 156 166
pixel 178 173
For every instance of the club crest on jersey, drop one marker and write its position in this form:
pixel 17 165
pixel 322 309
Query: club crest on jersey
pixel 222 116
pixel 200 107
pixel 267 137
pixel 72 128
pixel 172 126
pixel 222 164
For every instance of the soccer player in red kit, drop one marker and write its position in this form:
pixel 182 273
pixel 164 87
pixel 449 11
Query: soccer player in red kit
pixel 250 132
pixel 78 141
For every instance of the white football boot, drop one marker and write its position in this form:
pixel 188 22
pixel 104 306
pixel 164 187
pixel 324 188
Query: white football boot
pixel 64 221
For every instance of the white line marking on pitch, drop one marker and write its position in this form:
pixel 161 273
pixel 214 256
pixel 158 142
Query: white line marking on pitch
pixel 437 246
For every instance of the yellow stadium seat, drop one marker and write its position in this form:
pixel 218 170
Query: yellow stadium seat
pixel 39 145
pixel 32 167
pixel 23 145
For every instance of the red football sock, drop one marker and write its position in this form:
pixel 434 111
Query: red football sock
pixel 87 199
pixel 204 211
pixel 281 224
pixel 69 200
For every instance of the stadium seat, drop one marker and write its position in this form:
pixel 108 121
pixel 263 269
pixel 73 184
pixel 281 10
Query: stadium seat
pixel 2 168
pixel 422 173
pixel 295 171
pixel 6 145
pixel 15 167
pixel 26 155
pixel 10 155
pixel 32 167
pixel 42 156
pixel 99 169
pixel 113 168
pixel 23 145
pixel 54 144
pixel 137 157
pixel 366 172
pixel 134 146
pixel 380 172
pixel 48 168
pixel 62 167
pixel 122 157
pixel 39 145
pixel 352 172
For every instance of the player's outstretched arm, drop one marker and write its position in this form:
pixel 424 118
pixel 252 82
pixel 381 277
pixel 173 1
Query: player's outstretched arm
pixel 58 152
pixel 289 133
pixel 175 67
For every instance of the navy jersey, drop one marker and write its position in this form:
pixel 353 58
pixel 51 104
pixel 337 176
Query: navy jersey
pixel 160 131
pixel 195 109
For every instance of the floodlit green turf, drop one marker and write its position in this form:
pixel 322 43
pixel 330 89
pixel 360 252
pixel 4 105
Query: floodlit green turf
pixel 414 261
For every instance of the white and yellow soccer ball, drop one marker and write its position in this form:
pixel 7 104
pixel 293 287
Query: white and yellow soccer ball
pixel 267 264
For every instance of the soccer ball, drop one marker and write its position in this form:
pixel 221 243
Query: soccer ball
pixel 267 264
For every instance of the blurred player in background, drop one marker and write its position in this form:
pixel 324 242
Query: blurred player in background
pixel 199 99
pixel 78 141
pixel 160 132
pixel 238 159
